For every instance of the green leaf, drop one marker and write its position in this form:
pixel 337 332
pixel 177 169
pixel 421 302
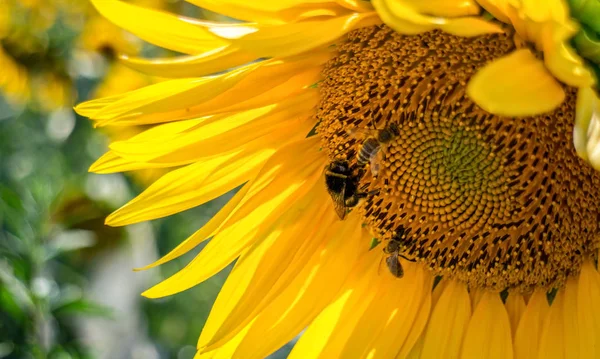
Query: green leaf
pixel 83 307
pixel 10 199
pixel 587 44
pixel 15 287
pixel 587 12
pixel 67 241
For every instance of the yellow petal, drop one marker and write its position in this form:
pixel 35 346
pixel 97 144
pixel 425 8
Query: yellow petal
pixel 586 133
pixel 204 180
pixel 438 290
pixel 584 111
pixel 374 319
pixel 402 18
pixel 221 250
pixel 270 12
pixel 574 345
pixel 172 94
pixel 476 294
pixel 548 26
pixel 470 26
pixel 160 28
pixel 515 85
pixel 527 337
pixel 268 267
pixel 207 230
pixel 270 5
pixel 386 323
pixel 341 315
pixel 356 5
pixel 588 310
pixel 89 108
pixel 406 319
pixel 544 10
pixel 593 141
pixel 110 162
pixel 448 322
pixel 225 351
pixel 178 148
pixel 206 63
pixel 221 134
pixel 561 59
pixel 406 18
pixel 177 191
pixel 311 290
pixel 417 349
pixel 251 86
pixel 414 339
pixel 281 182
pixel 281 89
pixel 515 306
pixel 296 38
pixel 552 338
pixel 498 9
pixel 233 291
pixel 488 334
pixel 174 192
pixel 170 129
pixel 445 8
pixel 238 10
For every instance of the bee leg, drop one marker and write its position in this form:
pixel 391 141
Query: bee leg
pixel 352 201
pixel 366 194
pixel 408 259
pixel 337 175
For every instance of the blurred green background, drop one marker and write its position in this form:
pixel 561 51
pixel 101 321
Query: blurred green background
pixel 67 289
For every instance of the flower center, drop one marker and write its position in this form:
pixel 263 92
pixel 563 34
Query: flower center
pixel 33 55
pixel 493 201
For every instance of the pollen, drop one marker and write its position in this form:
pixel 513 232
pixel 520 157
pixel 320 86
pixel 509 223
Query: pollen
pixel 493 201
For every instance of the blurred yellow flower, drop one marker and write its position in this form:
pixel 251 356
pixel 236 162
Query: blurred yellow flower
pixel 387 205
pixel 33 70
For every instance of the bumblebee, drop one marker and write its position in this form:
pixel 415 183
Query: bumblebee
pixel 342 184
pixel 394 248
pixel 369 151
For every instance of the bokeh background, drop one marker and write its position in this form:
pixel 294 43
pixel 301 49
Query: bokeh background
pixel 67 288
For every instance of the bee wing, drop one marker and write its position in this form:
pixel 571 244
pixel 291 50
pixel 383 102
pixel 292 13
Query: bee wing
pixel 336 187
pixel 375 161
pixel 394 266
pixel 339 204
pixel 357 132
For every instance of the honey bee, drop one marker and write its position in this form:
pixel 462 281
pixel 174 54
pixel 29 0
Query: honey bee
pixel 342 184
pixel 370 149
pixel 394 248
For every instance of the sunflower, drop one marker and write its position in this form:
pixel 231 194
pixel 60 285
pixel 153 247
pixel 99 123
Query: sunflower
pixel 408 182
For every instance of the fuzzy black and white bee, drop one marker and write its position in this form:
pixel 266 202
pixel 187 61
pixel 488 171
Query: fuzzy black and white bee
pixel 342 185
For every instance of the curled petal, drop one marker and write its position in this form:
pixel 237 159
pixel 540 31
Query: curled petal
pixel 515 85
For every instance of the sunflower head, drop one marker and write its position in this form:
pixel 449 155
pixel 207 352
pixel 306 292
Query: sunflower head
pixel 474 195
pixel 101 36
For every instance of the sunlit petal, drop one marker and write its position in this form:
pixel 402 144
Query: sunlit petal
pixel 499 87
